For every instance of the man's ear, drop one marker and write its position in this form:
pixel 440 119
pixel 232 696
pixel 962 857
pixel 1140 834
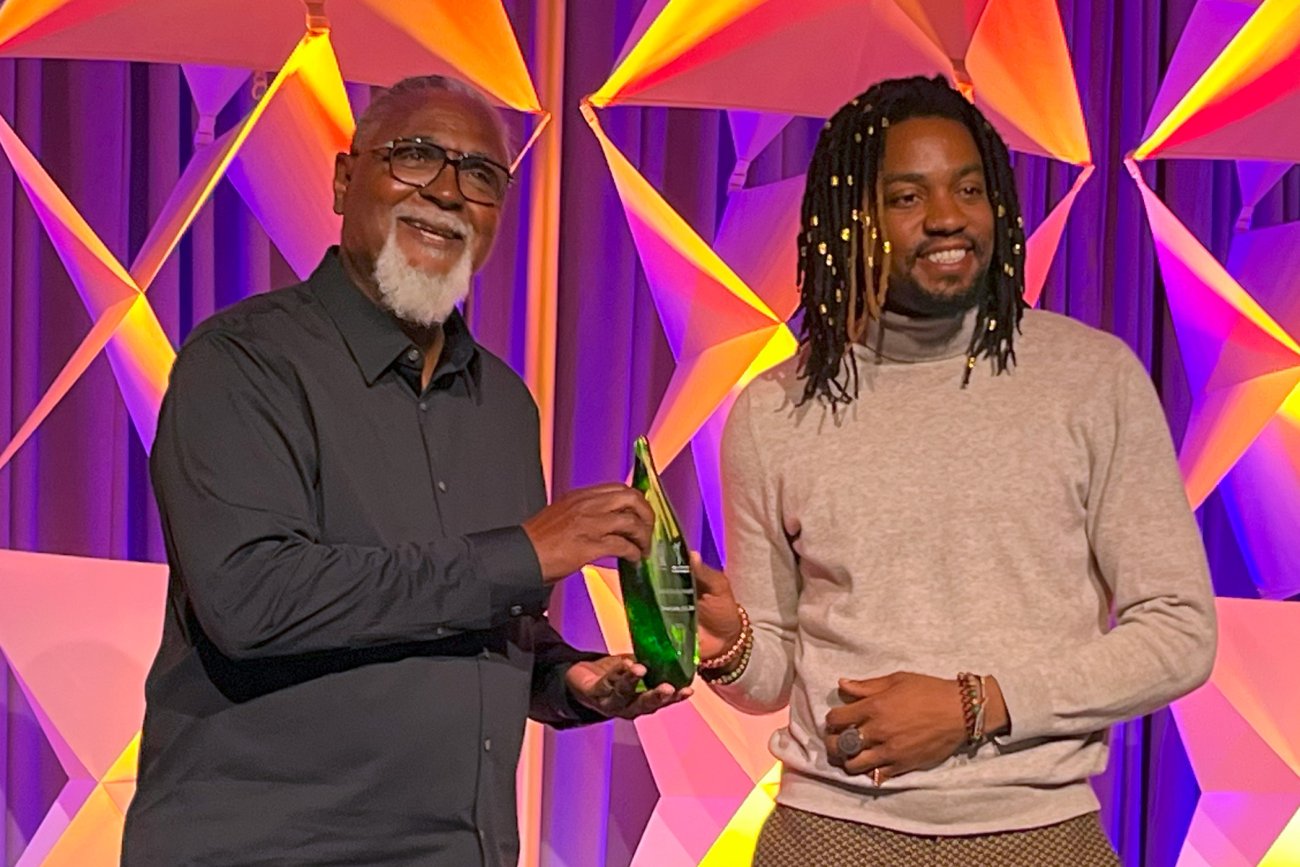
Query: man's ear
pixel 342 177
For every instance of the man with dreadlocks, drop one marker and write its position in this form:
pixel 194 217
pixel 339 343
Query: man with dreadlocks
pixel 956 529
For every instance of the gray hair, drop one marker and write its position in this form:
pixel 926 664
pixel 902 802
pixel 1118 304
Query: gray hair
pixel 392 99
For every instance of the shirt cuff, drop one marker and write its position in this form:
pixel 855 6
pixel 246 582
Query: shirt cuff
pixel 1028 701
pixel 555 706
pixel 508 562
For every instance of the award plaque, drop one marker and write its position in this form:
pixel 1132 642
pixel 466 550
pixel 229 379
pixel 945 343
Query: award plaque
pixel 659 591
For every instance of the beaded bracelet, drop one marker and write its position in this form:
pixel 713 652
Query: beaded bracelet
pixel 718 669
pixel 722 678
pixel 973 700
pixel 737 647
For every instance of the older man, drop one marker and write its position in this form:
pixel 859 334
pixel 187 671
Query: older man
pixel 359 541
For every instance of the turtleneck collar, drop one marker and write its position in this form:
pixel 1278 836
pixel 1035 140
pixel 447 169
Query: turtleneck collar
pixel 896 338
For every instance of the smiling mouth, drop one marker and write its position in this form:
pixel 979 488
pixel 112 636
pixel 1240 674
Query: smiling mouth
pixel 947 257
pixel 432 230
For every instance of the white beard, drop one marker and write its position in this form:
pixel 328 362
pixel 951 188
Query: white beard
pixel 415 296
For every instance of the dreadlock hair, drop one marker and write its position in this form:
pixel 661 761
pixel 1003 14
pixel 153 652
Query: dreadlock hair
pixel 844 256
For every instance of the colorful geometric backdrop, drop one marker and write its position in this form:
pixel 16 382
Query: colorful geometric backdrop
pixel 168 157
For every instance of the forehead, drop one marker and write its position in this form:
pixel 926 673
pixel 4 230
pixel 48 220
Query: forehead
pixel 451 119
pixel 928 144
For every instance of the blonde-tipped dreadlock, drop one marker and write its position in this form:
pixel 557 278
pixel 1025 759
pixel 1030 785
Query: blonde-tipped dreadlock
pixel 840 293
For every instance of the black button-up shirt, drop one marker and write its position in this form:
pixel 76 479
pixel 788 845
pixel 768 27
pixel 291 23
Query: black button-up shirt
pixel 354 632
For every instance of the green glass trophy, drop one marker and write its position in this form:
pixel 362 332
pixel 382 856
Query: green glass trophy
pixel 659 591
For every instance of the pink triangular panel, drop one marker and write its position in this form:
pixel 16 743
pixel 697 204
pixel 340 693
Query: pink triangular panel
pixel 81 359
pixel 698 385
pixel 1262 495
pixel 213 86
pixel 1262 492
pixel 192 191
pixel 1241 365
pixel 751 131
pixel 1256 178
pixel 696 310
pixel 694 824
pixel 950 25
pixel 649 12
pixel 1041 247
pixel 1266 262
pixel 141 356
pixel 758 238
pixel 285 170
pixel 687 760
pixel 1250 791
pixel 85 656
pixel 99 278
pixel 121 793
pixel 1247 104
pixel 1209 28
pixel 1039 112
pixel 747 65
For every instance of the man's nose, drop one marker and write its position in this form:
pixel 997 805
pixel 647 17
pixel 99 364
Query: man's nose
pixel 444 189
pixel 943 216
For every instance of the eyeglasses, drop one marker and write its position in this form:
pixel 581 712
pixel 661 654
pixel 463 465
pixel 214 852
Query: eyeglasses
pixel 418 162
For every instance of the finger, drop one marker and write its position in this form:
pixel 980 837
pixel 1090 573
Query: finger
pixel 649 701
pixel 628 526
pixel 709 580
pixel 595 491
pixel 866 761
pixel 851 689
pixel 618 546
pixel 635 502
pixel 621 498
pixel 840 718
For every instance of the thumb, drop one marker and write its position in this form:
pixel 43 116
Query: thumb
pixel 709 581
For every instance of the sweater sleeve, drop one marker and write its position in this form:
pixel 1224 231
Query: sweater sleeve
pixel 760 565
pixel 1148 551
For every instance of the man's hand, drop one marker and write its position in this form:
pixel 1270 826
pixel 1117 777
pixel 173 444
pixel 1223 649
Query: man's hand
pixel 716 616
pixel 608 686
pixel 589 523
pixel 908 721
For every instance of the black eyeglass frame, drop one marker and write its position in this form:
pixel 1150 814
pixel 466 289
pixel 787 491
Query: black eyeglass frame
pixel 447 159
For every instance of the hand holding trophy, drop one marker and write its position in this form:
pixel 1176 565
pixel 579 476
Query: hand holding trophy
pixel 659 590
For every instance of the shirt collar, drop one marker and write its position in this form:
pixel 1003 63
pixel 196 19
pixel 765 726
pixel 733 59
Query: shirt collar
pixel 374 338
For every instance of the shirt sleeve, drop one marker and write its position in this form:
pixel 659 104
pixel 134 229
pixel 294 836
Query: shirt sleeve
pixel 234 470
pixel 1149 553
pixel 760 565
pixel 552 703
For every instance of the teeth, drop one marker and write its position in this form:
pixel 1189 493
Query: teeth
pixel 947 257
pixel 435 230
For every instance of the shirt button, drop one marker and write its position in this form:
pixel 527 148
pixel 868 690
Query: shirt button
pixel 413 355
pixel 423 406
pixel 516 610
pixel 442 486
pixel 487 745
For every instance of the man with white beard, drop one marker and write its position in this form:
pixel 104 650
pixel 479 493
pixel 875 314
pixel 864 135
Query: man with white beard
pixel 359 542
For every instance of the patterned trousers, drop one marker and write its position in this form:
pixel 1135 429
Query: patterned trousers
pixel 795 838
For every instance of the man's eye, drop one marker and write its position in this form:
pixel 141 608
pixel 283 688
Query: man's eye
pixel 412 155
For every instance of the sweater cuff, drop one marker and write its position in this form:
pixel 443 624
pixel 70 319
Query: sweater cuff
pixel 507 562
pixel 1028 699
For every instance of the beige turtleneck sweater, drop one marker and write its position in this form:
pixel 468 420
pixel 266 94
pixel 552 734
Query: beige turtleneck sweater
pixel 1032 526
